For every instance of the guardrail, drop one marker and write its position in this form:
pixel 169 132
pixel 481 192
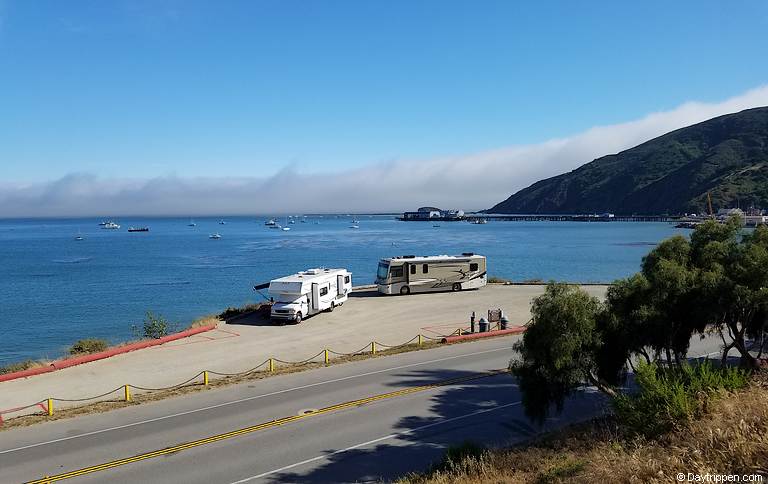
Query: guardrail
pixel 269 365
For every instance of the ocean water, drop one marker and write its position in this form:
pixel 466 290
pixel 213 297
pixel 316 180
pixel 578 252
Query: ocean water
pixel 55 290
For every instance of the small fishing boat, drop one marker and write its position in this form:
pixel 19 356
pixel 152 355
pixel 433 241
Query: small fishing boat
pixel 138 229
pixel 79 236
pixel 191 223
pixel 215 236
pixel 354 226
pixel 286 229
pixel 270 223
pixel 435 225
pixel 221 222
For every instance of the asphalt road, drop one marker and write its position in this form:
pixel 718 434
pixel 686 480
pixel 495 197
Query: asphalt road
pixel 365 421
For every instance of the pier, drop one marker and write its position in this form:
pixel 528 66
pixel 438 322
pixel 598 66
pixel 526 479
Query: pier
pixel 472 217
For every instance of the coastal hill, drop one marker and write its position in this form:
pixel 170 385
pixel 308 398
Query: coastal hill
pixel 726 156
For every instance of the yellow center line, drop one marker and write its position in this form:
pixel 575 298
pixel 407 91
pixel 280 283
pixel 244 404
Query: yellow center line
pixel 256 428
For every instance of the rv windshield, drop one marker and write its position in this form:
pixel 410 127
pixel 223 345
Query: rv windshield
pixel 383 271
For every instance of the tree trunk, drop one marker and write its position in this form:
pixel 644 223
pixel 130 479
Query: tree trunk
pixel 747 359
pixel 724 359
pixel 600 385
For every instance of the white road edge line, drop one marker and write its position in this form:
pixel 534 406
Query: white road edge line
pixel 234 402
pixel 391 436
pixel 374 441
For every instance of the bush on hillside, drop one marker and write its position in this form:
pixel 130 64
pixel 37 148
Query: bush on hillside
pixel 154 327
pixel 668 398
pixel 87 346
pixel 20 366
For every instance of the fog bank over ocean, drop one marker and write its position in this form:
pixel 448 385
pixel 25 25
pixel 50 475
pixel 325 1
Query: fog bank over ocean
pixel 470 182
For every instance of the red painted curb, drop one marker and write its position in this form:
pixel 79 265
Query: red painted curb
pixel 487 334
pixel 79 360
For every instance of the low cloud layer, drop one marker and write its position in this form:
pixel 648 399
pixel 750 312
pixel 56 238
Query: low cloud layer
pixel 470 182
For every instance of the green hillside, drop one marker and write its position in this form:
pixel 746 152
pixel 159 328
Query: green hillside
pixel 726 156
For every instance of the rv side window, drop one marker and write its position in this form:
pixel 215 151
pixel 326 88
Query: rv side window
pixel 413 269
pixel 346 279
pixel 323 291
pixel 473 266
pixel 396 271
pixel 424 268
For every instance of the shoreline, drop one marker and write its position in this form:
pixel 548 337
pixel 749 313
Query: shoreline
pixel 36 363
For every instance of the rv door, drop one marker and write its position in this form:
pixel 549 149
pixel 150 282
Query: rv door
pixel 340 285
pixel 315 296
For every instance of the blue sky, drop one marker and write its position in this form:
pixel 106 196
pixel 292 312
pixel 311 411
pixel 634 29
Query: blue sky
pixel 144 89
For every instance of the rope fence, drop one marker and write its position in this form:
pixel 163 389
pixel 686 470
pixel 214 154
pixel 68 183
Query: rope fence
pixel 372 348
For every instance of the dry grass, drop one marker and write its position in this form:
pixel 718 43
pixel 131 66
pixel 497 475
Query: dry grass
pixel 207 320
pixel 23 365
pixel 731 438
pixel 498 280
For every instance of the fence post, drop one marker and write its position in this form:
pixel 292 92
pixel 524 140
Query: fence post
pixel 325 351
pixel 50 407
pixel 373 347
pixel 420 339
pixel 271 365
pixel 205 378
pixel 127 390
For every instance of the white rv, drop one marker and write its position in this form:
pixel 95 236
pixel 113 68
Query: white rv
pixel 309 292
pixel 409 273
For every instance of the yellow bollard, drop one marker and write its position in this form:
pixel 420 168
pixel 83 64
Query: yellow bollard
pixel 271 365
pixel 205 378
pixel 420 339
pixel 327 359
pixel 373 347
pixel 50 407
pixel 459 331
pixel 127 390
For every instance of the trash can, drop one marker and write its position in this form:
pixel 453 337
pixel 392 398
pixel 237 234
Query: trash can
pixel 503 323
pixel 483 325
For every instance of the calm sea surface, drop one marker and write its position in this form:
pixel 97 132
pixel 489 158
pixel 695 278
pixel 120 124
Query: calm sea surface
pixel 55 290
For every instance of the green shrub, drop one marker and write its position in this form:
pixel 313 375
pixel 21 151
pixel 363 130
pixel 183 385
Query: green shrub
pixel 669 398
pixel 87 346
pixel 155 327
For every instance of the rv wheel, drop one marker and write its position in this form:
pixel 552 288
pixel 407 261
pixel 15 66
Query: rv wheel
pixel 405 290
pixel 456 287
pixel 333 306
pixel 297 320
